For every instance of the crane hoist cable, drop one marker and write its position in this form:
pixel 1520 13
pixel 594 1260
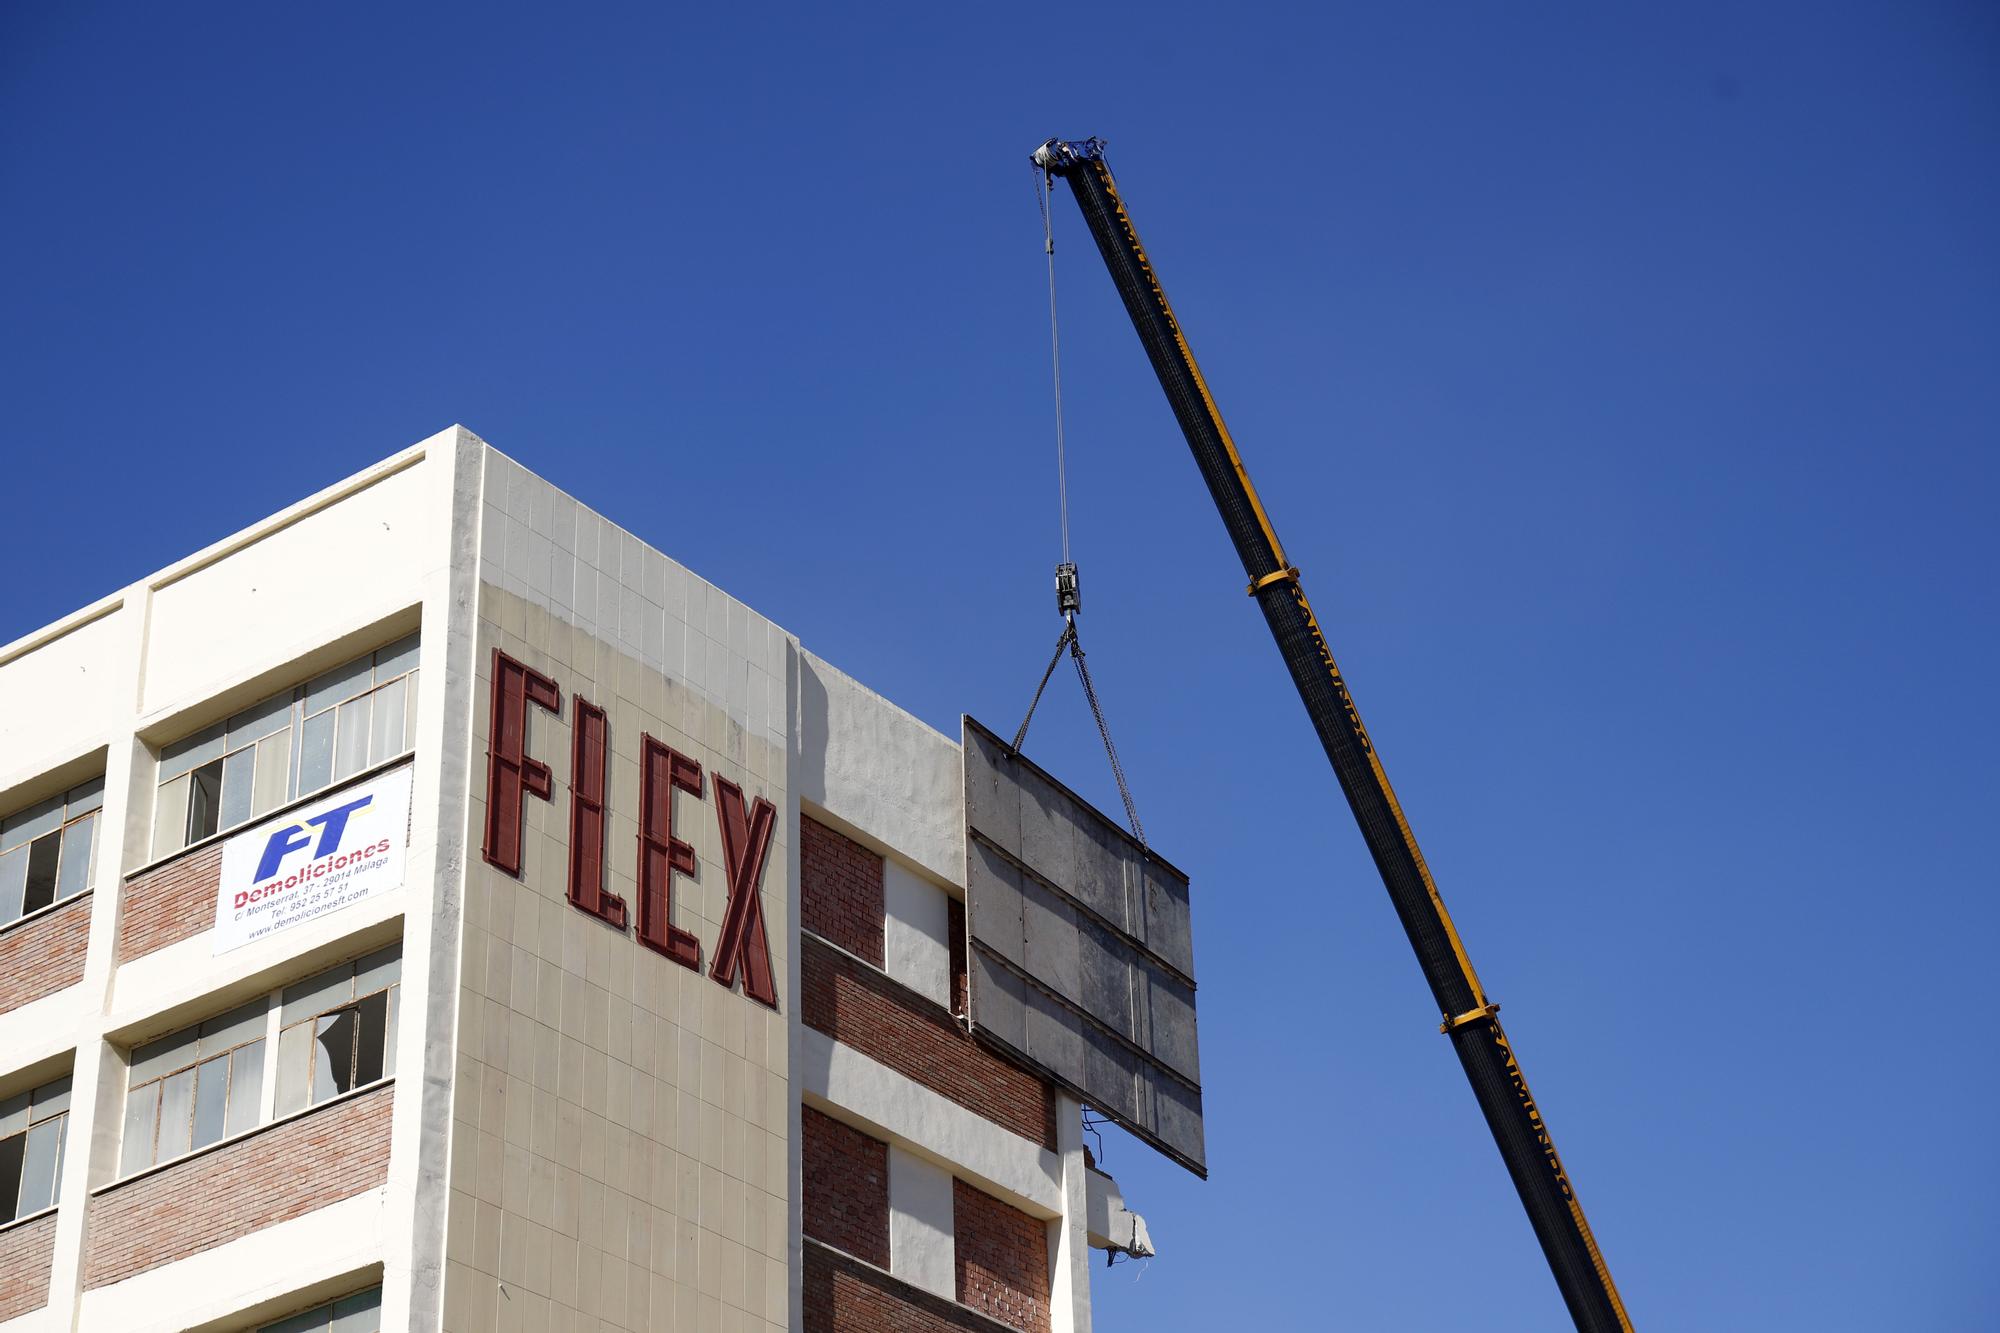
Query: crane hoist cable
pixel 1069 595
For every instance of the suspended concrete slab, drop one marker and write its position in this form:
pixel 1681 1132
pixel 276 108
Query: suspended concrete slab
pixel 1079 955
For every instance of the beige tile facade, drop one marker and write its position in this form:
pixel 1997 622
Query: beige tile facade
pixel 619 1155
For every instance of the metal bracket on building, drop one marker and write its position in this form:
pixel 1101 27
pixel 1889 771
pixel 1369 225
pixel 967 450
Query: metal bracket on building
pixel 1290 572
pixel 1484 1011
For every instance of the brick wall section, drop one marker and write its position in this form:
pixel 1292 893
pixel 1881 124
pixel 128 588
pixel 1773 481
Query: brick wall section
pixel 26 1253
pixel 843 1295
pixel 840 890
pixel 889 1022
pixel 845 1191
pixel 285 1171
pixel 955 927
pixel 41 956
pixel 169 902
pixel 1002 1257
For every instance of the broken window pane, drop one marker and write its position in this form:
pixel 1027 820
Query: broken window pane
pixel 204 800
pixel 333 1054
pixel 372 1023
pixel 211 1097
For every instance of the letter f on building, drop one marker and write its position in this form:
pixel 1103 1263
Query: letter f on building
pixel 282 843
pixel 332 824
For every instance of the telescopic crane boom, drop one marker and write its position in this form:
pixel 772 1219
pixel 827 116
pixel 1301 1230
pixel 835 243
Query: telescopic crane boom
pixel 1471 1020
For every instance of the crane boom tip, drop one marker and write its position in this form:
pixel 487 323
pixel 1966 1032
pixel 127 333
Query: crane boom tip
pixel 1058 156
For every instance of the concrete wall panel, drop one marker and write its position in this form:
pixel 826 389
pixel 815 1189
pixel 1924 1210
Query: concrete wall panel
pixel 1081 954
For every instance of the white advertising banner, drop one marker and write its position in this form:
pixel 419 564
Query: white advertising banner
pixel 313 860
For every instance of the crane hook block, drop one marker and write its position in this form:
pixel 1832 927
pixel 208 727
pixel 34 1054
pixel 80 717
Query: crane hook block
pixel 1059 156
pixel 1069 596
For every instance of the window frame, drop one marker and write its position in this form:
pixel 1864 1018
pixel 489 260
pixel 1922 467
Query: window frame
pixel 387 958
pixel 58 1088
pixel 195 1060
pixel 331 1309
pixel 78 807
pixel 246 741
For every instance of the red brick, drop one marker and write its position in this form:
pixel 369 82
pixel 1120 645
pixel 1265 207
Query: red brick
pixel 1002 1257
pixel 840 890
pixel 169 902
pixel 44 954
pixel 845 1192
pixel 26 1255
pixel 844 1295
pixel 283 1172
pixel 915 1036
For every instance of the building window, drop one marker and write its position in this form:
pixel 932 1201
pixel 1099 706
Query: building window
pixel 289 746
pixel 205 1083
pixel 336 1030
pixel 32 1127
pixel 45 851
pixel 190 1089
pixel 359 1313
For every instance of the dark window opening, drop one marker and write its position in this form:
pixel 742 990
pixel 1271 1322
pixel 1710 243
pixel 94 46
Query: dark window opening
pixel 371 1045
pixel 13 1151
pixel 205 801
pixel 43 856
pixel 333 1064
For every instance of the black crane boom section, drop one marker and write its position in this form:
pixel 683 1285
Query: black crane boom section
pixel 1470 1019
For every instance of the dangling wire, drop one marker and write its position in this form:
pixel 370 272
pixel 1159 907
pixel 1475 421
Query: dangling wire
pixel 1055 356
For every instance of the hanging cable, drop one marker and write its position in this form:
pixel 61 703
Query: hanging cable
pixel 1055 357
pixel 1104 730
pixel 1069 598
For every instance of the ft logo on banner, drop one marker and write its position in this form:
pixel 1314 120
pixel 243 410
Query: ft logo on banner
pixel 512 775
pixel 313 860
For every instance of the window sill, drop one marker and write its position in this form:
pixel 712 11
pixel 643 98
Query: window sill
pixel 898 1286
pixel 223 835
pixel 35 1216
pixel 41 912
pixel 240 1135
pixel 902 987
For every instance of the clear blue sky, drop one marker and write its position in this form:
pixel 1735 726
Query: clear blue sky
pixel 1624 384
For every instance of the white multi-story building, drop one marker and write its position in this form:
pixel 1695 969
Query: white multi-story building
pixel 433 908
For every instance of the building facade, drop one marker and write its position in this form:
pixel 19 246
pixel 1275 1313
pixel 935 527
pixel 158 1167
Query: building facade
pixel 432 908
